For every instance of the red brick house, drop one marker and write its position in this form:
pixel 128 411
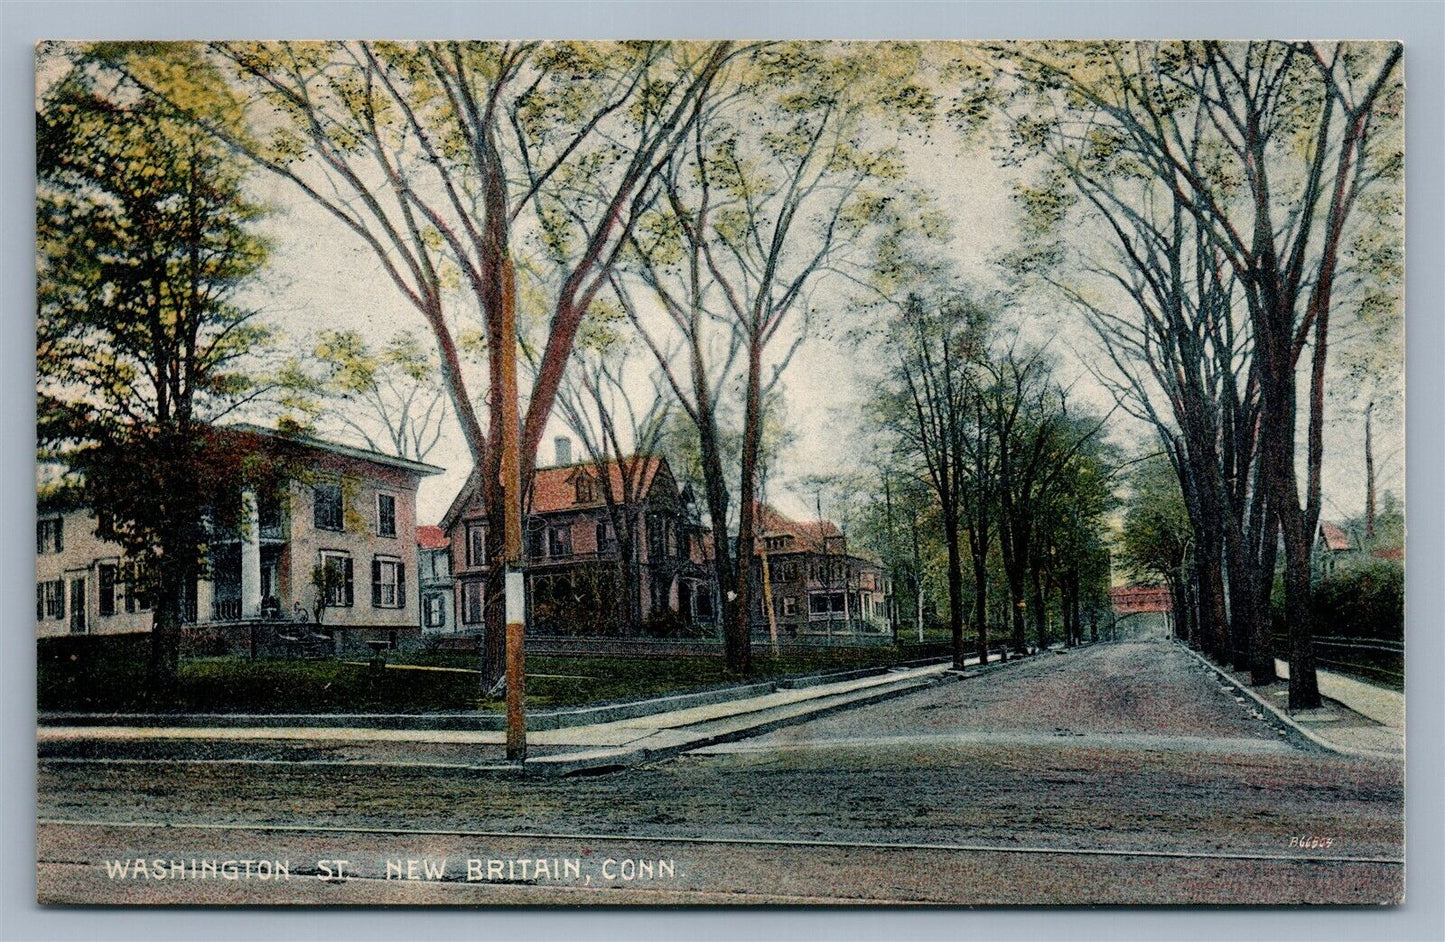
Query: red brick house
pixel 574 562
pixel 817 586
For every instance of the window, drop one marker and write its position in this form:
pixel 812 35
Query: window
pixel 476 545
pixel 439 564
pixel 337 577
pixel 385 515
pixel 50 600
pixel 77 606
pixel 559 541
pixel 825 603
pixel 388 583
pixel 268 516
pixel 49 535
pixel 586 490
pixel 434 612
pixel 105 585
pixel 790 606
pixel 605 541
pixel 326 500
pixel 136 598
pixel 776 542
pixel 473 610
pixel 702 603
pixel 656 538
pixel 660 591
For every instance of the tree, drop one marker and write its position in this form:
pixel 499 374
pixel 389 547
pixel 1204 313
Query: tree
pixel 1268 148
pixel 496 171
pixel 622 440
pixel 931 405
pixel 390 398
pixel 144 240
pixel 774 191
pixel 1156 539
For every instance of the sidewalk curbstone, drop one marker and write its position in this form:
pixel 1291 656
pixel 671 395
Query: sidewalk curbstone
pixel 1297 734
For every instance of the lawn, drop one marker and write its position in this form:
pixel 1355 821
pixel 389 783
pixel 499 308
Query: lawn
pixel 237 685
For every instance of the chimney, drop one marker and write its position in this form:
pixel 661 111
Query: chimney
pixel 563 446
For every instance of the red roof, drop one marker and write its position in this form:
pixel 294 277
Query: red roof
pixel 432 538
pixel 1396 553
pixel 1140 599
pixel 1336 539
pixel 556 488
pixel 806 534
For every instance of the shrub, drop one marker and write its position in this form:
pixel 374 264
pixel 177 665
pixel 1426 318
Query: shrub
pixel 1367 601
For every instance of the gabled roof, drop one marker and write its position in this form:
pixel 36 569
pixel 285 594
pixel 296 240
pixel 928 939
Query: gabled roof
pixel 432 538
pixel 811 535
pixel 1335 537
pixel 555 489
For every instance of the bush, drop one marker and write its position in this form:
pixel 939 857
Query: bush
pixel 1362 602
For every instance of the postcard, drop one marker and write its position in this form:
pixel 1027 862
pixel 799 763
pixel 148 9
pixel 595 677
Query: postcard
pixel 720 472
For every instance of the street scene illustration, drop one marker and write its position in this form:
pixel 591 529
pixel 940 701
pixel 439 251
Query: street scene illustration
pixel 726 472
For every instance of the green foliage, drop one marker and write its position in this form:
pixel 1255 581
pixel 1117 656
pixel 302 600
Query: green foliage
pixel 1156 534
pixel 144 238
pixel 1363 602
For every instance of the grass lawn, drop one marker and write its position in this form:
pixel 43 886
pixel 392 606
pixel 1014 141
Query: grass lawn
pixel 237 685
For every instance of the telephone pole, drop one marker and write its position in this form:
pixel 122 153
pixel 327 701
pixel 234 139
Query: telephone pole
pixel 514 584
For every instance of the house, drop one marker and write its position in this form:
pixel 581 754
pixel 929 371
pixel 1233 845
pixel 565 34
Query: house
pixel 574 564
pixel 816 585
pixel 1341 547
pixel 434 576
pixel 1333 546
pixel 347 516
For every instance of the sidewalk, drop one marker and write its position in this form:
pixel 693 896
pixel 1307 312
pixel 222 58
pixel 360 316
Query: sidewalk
pixel 1357 718
pixel 615 743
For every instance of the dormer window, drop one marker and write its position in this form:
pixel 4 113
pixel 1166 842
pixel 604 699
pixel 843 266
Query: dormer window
pixel 586 490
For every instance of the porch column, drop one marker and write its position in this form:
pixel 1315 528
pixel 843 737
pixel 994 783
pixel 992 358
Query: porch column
pixel 250 555
pixel 205 600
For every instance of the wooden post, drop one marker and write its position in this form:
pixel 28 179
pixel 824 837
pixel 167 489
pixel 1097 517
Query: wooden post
pixel 515 598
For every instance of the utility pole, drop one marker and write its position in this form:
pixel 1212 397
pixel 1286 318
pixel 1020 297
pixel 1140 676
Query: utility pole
pixel 515 589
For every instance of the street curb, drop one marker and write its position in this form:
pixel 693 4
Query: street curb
pixel 622 758
pixel 1297 734
pixel 472 721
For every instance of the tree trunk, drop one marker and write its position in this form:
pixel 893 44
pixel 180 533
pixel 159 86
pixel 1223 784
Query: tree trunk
pixel 955 588
pixel 737 642
pixel 165 649
pixel 980 598
pixel 1041 628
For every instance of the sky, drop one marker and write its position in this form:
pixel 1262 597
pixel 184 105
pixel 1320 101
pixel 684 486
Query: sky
pixel 320 276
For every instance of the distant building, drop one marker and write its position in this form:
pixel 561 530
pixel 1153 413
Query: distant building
pixel 434 575
pixel 354 517
pixel 1142 610
pixel 1339 547
pixel 817 586
pixel 574 567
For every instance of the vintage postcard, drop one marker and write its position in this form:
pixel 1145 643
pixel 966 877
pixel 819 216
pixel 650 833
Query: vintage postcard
pixel 713 472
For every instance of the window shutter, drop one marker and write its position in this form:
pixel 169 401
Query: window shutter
pixel 401 585
pixel 349 595
pixel 39 537
pixel 59 534
pixel 375 583
pixel 39 601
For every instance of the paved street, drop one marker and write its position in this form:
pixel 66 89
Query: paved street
pixel 1116 773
